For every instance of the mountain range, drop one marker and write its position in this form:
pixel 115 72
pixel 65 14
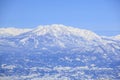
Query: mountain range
pixel 58 52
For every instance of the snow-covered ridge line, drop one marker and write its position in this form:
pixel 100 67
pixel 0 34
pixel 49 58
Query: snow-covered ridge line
pixel 12 31
pixel 55 29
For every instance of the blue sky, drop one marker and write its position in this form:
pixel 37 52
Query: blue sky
pixel 99 16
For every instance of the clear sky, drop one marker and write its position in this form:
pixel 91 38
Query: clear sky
pixel 99 16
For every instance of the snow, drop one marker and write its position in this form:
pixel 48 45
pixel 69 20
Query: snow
pixel 58 29
pixel 12 31
pixel 117 37
pixel 4 66
pixel 64 73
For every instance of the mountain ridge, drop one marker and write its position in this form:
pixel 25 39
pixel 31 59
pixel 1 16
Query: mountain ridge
pixel 17 31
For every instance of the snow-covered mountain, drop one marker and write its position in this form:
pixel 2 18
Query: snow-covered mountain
pixel 58 35
pixel 55 37
pixel 59 52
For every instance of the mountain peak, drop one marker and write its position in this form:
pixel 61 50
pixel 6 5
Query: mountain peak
pixel 58 29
